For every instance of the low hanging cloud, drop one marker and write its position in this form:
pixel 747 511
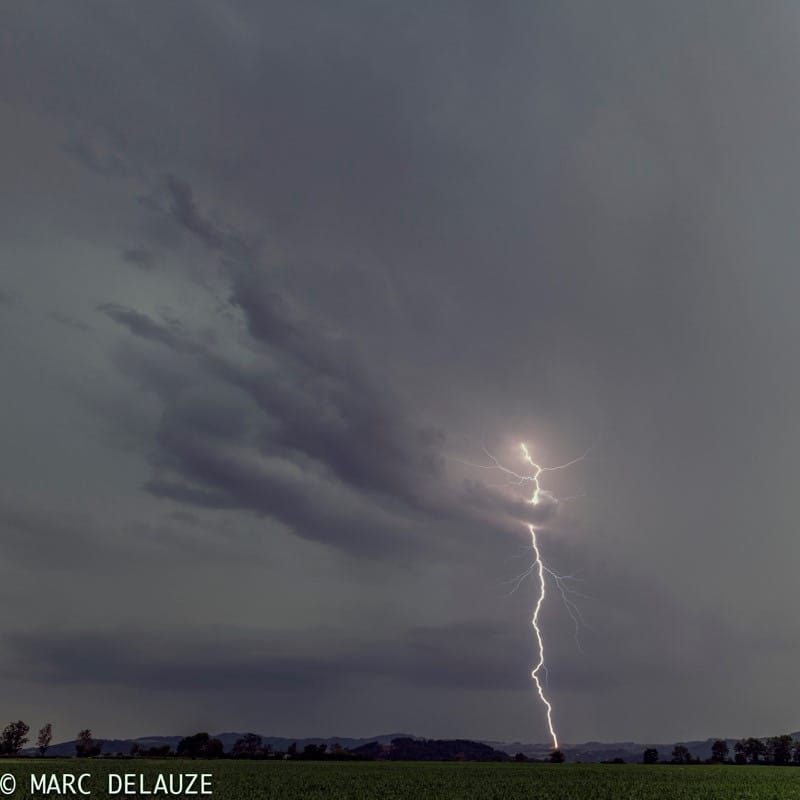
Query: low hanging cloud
pixel 474 656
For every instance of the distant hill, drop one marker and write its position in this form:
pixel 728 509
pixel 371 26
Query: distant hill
pixel 123 746
pixel 410 749
pixel 423 748
pixel 631 752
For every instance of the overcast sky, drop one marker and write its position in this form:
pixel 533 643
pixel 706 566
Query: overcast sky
pixel 272 271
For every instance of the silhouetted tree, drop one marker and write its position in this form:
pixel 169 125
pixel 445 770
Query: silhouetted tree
pixel 556 757
pixel 740 752
pixel 681 754
pixel 754 749
pixel 13 738
pixel 371 751
pixel 292 750
pixel 193 746
pixel 44 738
pixel 520 757
pixel 779 749
pixel 650 756
pixel 719 751
pixel 247 746
pixel 214 749
pixel 86 746
pixel 200 745
pixel 337 751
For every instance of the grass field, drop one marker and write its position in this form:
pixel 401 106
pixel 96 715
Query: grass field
pixel 258 780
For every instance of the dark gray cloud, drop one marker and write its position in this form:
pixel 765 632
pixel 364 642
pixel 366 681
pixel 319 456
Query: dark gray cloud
pixel 95 157
pixel 76 543
pixel 97 658
pixel 449 656
pixel 183 209
pixel 475 656
pixel 219 447
pixel 143 326
pixel 319 430
pixel 140 257
pixel 315 400
pixel 70 322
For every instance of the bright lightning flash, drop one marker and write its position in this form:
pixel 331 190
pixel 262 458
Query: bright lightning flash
pixel 539 568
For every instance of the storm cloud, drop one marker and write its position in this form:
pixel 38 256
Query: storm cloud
pixel 277 276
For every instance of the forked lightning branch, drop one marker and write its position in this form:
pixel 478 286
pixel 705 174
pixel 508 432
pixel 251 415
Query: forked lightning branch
pixel 538 569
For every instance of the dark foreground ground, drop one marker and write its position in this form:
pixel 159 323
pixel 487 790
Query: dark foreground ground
pixel 259 780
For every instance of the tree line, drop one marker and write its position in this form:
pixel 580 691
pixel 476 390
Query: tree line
pixel 15 736
pixel 201 745
pixel 250 745
pixel 775 750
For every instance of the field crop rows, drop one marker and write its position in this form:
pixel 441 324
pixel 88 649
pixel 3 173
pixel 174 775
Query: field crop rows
pixel 259 780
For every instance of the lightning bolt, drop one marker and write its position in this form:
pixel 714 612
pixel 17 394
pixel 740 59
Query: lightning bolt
pixel 538 568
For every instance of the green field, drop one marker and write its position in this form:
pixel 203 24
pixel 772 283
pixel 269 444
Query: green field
pixel 259 780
